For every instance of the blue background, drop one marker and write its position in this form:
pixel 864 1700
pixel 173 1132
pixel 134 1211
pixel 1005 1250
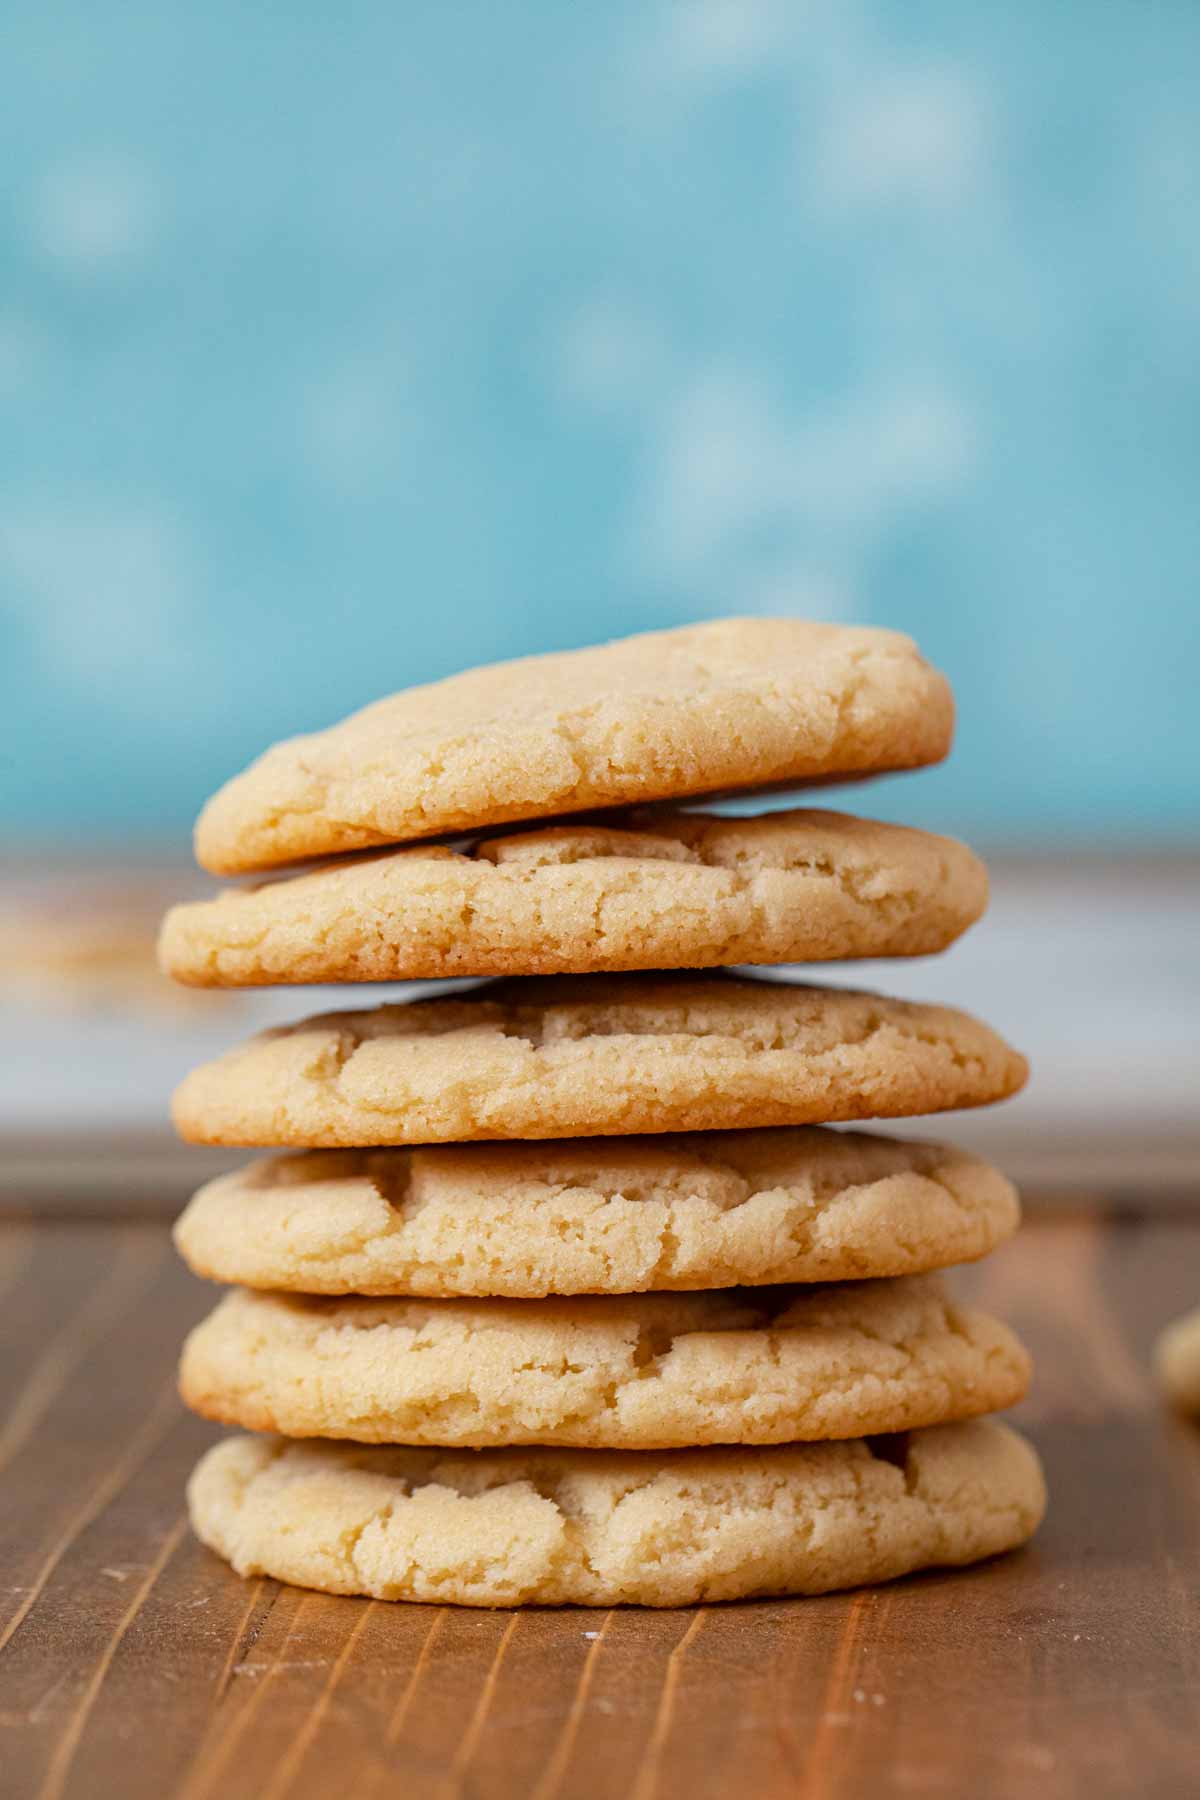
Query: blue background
pixel 340 347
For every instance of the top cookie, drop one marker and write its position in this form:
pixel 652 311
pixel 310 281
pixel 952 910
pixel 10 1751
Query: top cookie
pixel 669 891
pixel 733 704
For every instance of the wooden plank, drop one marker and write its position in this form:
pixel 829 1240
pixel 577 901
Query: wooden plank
pixel 136 1665
pixel 93 1500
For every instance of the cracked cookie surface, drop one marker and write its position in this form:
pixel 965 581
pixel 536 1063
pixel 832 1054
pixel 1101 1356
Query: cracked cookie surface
pixel 735 703
pixel 672 891
pixel 638 1372
pixel 593 1056
pixel 596 1528
pixel 607 1215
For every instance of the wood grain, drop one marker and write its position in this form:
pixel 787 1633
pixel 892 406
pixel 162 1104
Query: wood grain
pixel 134 1664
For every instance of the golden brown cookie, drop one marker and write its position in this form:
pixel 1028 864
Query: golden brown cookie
pixel 1177 1361
pixel 591 1056
pixel 598 1215
pixel 736 703
pixel 602 1528
pixel 630 1372
pixel 683 890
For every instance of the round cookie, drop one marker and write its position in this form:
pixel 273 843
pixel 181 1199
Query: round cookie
pixel 596 1528
pixel 637 1372
pixel 590 1056
pixel 598 1215
pixel 673 892
pixel 1177 1361
pixel 731 704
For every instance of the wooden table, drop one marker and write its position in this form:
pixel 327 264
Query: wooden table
pixel 135 1664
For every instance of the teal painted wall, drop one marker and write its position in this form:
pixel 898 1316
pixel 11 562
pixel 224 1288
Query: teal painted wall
pixel 340 347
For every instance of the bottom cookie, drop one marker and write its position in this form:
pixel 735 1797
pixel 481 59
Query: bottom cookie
pixel 601 1528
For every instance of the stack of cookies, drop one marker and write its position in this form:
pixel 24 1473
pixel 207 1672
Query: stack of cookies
pixel 564 1290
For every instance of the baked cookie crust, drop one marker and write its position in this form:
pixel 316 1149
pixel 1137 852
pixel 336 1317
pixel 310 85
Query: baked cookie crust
pixel 564 1527
pixel 684 890
pixel 736 703
pixel 635 1372
pixel 595 1056
pixel 598 1215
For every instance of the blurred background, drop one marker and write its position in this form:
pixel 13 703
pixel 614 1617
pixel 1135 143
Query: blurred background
pixel 342 348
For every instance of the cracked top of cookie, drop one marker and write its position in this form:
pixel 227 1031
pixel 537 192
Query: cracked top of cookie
pixel 653 889
pixel 733 704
